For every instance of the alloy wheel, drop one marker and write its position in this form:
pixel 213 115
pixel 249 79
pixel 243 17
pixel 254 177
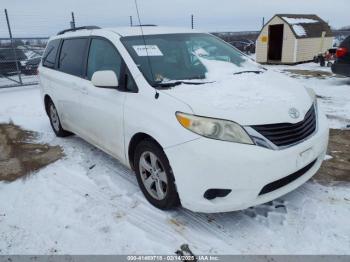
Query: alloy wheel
pixel 153 175
pixel 54 118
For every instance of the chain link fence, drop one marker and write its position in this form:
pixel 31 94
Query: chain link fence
pixel 19 56
pixel 19 60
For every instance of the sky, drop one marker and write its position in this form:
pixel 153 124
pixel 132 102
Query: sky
pixel 46 17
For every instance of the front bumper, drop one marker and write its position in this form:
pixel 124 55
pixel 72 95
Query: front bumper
pixel 204 164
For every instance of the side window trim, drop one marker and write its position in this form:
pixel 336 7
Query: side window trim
pixel 58 54
pixel 123 67
pixel 87 58
pixel 125 73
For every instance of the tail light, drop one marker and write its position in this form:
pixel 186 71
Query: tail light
pixel 341 52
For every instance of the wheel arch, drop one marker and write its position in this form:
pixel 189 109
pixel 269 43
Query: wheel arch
pixel 134 141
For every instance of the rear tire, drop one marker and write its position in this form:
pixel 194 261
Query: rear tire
pixel 55 121
pixel 154 175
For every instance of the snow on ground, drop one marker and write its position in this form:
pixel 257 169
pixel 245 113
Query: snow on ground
pixel 334 100
pixel 88 203
pixel 13 80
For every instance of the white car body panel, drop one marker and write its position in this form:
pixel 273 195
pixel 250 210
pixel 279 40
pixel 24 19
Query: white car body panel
pixel 109 119
pixel 245 169
pixel 250 93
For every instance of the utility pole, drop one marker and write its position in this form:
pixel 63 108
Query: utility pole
pixel 13 48
pixel 263 22
pixel 72 23
pixel 192 21
pixel 131 24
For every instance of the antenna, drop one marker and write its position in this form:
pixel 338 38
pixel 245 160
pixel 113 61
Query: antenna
pixel 144 42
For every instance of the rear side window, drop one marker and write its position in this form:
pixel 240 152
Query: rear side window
pixel 49 56
pixel 103 56
pixel 72 56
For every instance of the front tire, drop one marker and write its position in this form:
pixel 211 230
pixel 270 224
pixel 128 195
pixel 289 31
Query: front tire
pixel 154 175
pixel 55 121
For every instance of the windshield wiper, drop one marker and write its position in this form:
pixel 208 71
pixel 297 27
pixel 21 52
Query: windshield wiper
pixel 176 83
pixel 251 71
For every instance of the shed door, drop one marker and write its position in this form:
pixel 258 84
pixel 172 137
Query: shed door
pixel 275 42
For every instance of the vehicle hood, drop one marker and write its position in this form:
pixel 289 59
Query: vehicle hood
pixel 247 98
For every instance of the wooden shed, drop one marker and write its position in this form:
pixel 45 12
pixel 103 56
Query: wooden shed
pixel 292 38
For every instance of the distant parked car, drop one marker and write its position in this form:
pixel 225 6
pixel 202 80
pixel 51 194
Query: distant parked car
pixel 342 64
pixel 8 60
pixel 246 46
pixel 31 66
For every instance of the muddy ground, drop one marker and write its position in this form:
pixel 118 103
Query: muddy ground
pixel 20 155
pixel 308 73
pixel 337 169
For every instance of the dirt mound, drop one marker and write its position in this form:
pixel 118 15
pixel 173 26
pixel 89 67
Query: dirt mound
pixel 19 156
pixel 296 73
pixel 337 169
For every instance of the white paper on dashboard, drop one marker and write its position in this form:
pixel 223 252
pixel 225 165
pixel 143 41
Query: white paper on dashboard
pixel 150 50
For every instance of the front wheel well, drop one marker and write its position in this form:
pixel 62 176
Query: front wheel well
pixel 135 140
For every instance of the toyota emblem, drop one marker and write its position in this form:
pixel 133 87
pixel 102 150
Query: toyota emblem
pixel 294 113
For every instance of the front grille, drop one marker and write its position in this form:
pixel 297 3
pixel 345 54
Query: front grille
pixel 286 180
pixel 285 134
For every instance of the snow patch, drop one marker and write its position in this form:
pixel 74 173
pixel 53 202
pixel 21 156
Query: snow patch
pixel 327 157
pixel 299 30
pixel 295 21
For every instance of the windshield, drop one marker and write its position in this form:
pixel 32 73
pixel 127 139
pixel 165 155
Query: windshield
pixel 186 58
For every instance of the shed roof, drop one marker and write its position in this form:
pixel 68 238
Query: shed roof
pixel 306 26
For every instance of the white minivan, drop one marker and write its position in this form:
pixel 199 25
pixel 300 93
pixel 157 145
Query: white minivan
pixel 200 123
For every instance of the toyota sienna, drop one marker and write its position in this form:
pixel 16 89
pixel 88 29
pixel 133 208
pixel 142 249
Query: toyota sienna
pixel 199 122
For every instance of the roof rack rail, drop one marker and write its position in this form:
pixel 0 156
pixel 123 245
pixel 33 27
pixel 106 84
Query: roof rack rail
pixel 78 28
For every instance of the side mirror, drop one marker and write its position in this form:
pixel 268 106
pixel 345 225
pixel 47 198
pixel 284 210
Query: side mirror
pixel 105 79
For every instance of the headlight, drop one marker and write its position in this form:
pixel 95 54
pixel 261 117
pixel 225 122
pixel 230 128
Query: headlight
pixel 214 128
